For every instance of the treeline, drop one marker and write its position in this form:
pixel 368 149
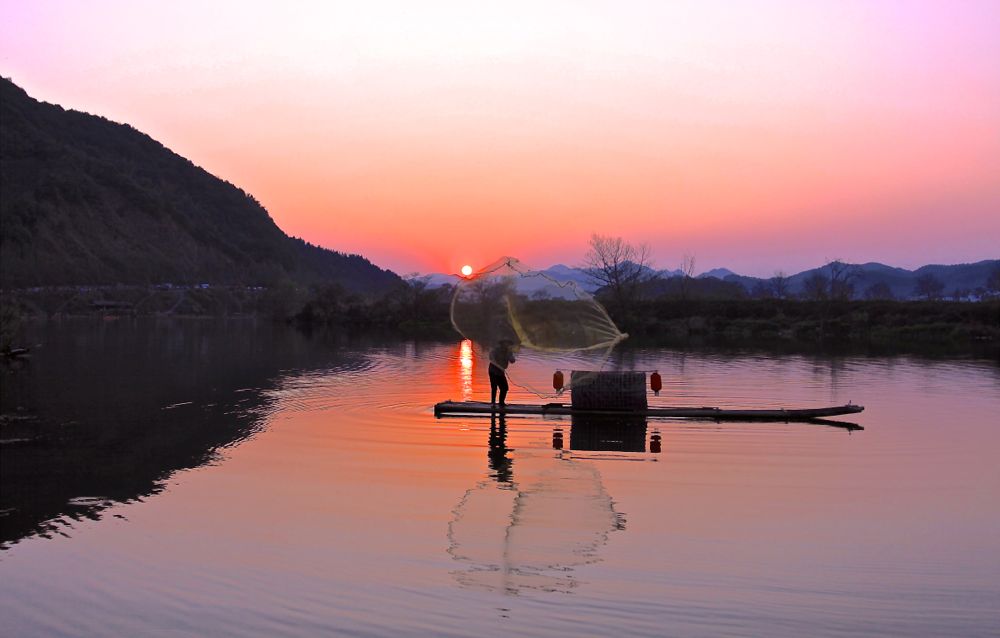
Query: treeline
pixel 843 282
pixel 407 308
pixel 836 280
pixel 701 312
pixel 411 308
pixel 697 313
pixel 819 307
pixel 827 311
pixel 958 324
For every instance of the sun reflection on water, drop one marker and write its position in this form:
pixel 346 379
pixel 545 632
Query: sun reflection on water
pixel 465 369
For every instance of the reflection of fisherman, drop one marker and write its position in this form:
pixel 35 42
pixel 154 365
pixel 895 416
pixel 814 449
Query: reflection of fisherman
pixel 499 462
pixel 500 357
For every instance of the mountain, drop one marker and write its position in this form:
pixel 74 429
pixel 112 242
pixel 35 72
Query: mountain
pixel 901 283
pixel 718 273
pixel 666 273
pixel 84 200
pixel 436 280
pixel 559 272
pixel 960 276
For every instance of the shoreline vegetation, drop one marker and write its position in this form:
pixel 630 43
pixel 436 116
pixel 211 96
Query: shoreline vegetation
pixel 414 310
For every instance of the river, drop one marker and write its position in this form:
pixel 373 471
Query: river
pixel 234 478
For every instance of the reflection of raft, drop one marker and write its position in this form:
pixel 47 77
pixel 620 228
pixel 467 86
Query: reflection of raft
pixel 800 414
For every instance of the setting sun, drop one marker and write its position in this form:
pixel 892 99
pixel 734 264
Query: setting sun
pixel 466 270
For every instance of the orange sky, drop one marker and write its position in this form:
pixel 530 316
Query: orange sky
pixel 756 136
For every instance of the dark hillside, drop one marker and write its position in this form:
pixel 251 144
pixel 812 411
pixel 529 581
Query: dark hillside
pixel 84 200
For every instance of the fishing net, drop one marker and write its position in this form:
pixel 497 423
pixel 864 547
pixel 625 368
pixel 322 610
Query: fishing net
pixel 506 306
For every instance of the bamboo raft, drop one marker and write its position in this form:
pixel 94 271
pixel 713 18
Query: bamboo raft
pixel 454 408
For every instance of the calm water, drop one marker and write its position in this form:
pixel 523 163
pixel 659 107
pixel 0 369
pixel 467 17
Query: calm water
pixel 230 478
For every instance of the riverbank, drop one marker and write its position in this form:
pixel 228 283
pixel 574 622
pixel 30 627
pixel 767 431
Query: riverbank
pixel 414 311
pixel 946 325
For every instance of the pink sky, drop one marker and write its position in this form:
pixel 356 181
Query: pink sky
pixel 756 136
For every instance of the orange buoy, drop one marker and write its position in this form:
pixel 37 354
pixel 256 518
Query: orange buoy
pixel 656 383
pixel 557 381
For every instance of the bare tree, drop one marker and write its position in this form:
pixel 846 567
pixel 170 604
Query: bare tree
pixel 618 266
pixel 960 294
pixel 929 287
pixel 842 278
pixel 878 291
pixel 416 296
pixel 816 287
pixel 779 285
pixel 761 290
pixel 687 274
pixel 687 265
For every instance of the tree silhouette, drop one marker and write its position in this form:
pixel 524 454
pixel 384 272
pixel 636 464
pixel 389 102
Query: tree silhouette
pixel 993 282
pixel 928 287
pixel 879 291
pixel 779 285
pixel 618 266
pixel 687 274
pixel 841 280
pixel 762 290
pixel 816 287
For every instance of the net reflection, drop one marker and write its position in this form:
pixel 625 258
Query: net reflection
pixel 529 534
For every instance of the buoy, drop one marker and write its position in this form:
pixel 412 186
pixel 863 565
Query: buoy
pixel 656 383
pixel 557 381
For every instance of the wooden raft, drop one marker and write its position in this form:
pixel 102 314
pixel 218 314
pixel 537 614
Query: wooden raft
pixel 446 408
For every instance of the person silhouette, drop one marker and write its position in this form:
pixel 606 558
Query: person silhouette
pixel 500 357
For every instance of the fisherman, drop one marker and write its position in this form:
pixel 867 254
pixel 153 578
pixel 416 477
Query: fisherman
pixel 500 357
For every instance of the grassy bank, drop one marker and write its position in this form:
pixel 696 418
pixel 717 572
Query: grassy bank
pixel 414 310
pixel 954 324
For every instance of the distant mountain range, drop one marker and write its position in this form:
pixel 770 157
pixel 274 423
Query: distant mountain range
pixel 84 200
pixel 559 272
pixel 899 282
